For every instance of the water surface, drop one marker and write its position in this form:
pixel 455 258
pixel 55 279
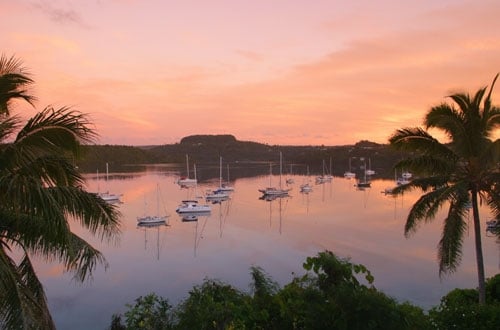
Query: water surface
pixel 366 226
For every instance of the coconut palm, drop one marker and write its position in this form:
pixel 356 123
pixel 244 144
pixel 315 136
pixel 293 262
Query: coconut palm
pixel 40 193
pixel 458 173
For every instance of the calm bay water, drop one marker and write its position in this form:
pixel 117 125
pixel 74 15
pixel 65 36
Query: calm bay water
pixel 366 226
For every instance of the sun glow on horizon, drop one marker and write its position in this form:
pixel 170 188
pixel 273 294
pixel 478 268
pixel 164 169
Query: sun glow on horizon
pixel 286 73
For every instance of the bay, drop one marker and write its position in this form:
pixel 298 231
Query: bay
pixel 364 225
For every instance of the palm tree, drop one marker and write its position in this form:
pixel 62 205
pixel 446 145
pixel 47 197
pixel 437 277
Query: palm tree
pixel 40 193
pixel 461 172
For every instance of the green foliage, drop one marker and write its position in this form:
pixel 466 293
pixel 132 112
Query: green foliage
pixel 214 305
pixel 460 309
pixel 329 298
pixel 149 312
pixel 334 272
pixel 493 289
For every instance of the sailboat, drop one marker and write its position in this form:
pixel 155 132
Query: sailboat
pixel 153 219
pixel 369 171
pixel 218 194
pixel 306 187
pixel 226 186
pixel 290 180
pixel 406 175
pixel 365 183
pixel 349 174
pixel 186 181
pixel 325 177
pixel 273 191
pixel 107 196
pixel 149 226
pixel 404 179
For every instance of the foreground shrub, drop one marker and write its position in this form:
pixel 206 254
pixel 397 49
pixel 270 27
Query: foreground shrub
pixel 334 294
pixel 460 309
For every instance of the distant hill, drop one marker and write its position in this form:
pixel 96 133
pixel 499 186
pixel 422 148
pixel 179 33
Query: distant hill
pixel 205 151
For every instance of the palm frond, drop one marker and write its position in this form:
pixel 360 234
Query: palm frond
pixel 427 165
pixel 14 80
pixel 447 118
pixel 493 197
pixel 91 211
pixel 82 258
pixel 29 278
pixel 11 64
pixel 423 184
pixel 77 256
pixel 450 245
pixel 61 128
pixel 8 125
pixel 426 208
pixel 19 307
pixel 491 121
pixel 490 157
pixel 416 139
pixel 487 100
pixel 463 101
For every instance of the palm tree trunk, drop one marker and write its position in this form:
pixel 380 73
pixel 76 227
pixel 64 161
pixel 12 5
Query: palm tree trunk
pixel 479 250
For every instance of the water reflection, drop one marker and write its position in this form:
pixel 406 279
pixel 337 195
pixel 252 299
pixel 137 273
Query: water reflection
pixel 275 234
pixel 155 228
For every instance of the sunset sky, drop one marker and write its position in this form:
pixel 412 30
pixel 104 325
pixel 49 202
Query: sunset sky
pixel 322 72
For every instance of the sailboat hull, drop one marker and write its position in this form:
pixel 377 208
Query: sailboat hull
pixel 151 219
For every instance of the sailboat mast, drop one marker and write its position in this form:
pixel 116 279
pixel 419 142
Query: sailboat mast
pixel 270 173
pixel 187 165
pixel 157 199
pixel 281 166
pixel 220 172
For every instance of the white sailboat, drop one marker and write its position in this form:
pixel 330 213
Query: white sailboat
pixel 349 174
pixel 325 177
pixel 273 191
pixel 406 175
pixel 192 206
pixel 149 226
pixel 226 186
pixel 218 194
pixel 306 187
pixel 290 180
pixel 369 171
pixel 364 183
pixel 107 196
pixel 153 219
pixel 186 181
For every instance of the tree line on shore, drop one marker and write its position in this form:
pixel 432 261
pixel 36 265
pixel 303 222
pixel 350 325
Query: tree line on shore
pixel 205 150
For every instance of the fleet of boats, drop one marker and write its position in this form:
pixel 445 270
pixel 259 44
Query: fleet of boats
pixel 191 209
